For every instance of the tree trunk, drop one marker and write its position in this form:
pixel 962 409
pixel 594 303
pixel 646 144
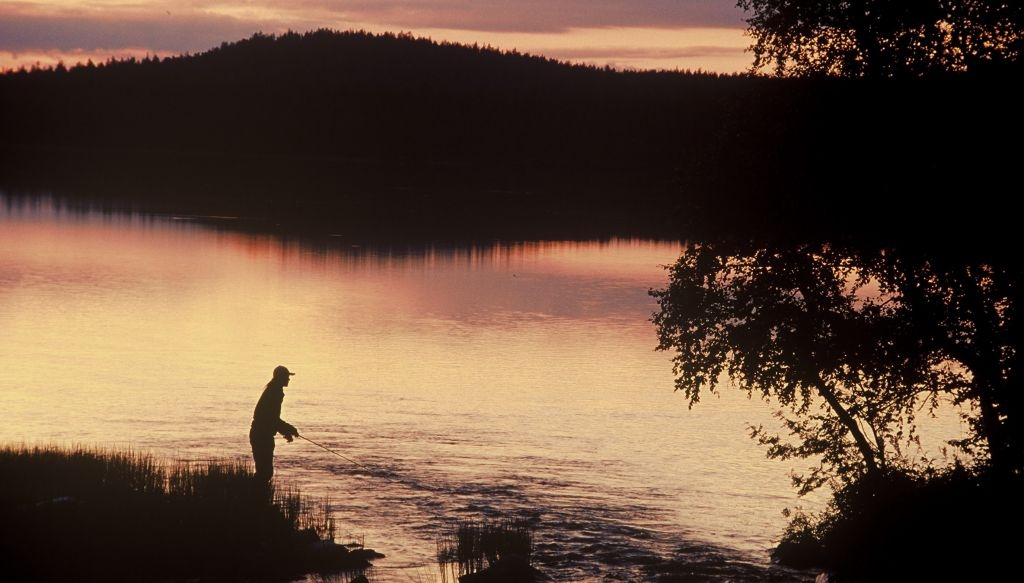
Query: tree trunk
pixel 851 425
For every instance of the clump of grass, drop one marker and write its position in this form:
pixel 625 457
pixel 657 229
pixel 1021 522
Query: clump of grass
pixel 472 546
pixel 84 513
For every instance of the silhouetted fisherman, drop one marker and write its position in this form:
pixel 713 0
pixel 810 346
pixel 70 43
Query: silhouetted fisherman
pixel 266 422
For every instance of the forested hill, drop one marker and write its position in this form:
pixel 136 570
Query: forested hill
pixel 363 133
pixel 351 94
pixel 349 120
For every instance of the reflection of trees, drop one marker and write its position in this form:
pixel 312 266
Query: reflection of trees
pixel 833 157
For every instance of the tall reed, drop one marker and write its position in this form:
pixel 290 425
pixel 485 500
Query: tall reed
pixel 472 546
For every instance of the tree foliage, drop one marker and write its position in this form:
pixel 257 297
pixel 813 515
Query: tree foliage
pixel 852 346
pixel 883 38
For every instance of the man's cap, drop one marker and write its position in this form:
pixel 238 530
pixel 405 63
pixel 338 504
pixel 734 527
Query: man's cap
pixel 281 372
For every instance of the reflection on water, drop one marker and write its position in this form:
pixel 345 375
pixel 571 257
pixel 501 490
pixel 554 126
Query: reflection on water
pixel 467 383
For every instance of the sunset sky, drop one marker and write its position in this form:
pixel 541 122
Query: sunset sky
pixel 705 35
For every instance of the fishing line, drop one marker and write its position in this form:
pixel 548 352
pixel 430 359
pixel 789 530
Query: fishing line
pixel 348 459
pixel 451 563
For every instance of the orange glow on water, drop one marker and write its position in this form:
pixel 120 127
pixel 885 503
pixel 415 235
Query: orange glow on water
pixel 483 377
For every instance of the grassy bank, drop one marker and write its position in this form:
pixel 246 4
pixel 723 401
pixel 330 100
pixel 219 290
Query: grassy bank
pixel 77 514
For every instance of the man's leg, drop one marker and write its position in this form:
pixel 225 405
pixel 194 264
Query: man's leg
pixel 263 456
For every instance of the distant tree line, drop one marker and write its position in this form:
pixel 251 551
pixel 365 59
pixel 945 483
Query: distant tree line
pixel 352 130
pixel 350 121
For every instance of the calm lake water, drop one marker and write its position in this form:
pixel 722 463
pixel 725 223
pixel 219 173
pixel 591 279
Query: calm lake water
pixel 466 383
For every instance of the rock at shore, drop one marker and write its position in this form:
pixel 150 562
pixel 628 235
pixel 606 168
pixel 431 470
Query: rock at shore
pixel 508 569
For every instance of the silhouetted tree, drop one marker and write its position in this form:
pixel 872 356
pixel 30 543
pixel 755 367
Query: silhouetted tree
pixel 882 38
pixel 851 345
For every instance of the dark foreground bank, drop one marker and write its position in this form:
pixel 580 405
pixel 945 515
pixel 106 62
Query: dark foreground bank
pixel 91 515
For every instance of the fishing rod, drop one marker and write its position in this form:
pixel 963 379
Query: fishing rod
pixel 348 459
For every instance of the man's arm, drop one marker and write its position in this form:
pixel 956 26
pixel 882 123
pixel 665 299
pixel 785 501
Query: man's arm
pixel 287 429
